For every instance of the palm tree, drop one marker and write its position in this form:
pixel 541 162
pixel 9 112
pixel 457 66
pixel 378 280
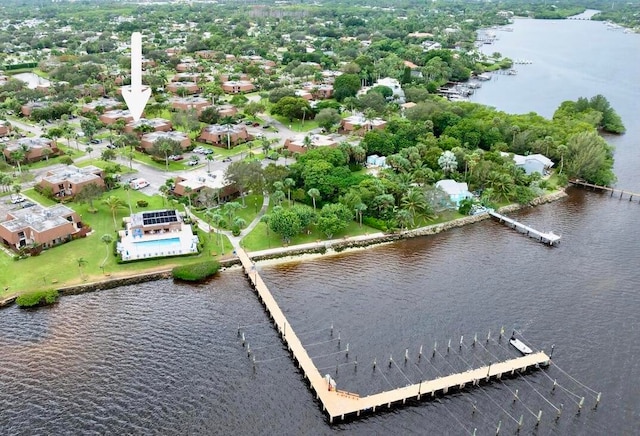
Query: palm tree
pixel 164 190
pixel 307 142
pixel 188 191
pixel 278 196
pixel 107 239
pixel 230 210
pixel 289 183
pixel 17 156
pixel 265 219
pixel 414 202
pixel 404 218
pixel 81 264
pixel 127 188
pixel 360 208
pixel 114 203
pixel 314 194
pixel 209 159
pixel 562 149
pixel 88 149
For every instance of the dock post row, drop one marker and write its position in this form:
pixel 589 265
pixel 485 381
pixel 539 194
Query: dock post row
pixel 340 405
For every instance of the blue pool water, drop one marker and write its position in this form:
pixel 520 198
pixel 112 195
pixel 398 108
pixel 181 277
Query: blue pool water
pixel 158 244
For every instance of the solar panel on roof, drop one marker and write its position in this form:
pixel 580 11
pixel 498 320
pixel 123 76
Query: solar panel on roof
pixel 159 217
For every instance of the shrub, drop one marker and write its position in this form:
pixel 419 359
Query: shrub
pixel 375 223
pixel 196 271
pixel 37 298
pixel 66 160
pixel 142 203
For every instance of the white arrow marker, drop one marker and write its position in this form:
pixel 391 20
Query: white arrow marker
pixel 136 96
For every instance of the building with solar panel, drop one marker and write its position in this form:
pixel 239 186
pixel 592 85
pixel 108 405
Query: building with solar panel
pixel 157 233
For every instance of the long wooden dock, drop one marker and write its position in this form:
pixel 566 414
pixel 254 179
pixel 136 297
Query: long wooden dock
pixel 340 404
pixel 620 193
pixel 549 238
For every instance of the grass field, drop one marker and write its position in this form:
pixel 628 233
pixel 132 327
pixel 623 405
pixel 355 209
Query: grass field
pixel 61 265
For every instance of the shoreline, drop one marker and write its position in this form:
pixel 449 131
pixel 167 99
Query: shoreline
pixel 299 253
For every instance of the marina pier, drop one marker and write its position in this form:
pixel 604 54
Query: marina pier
pixel 548 238
pixel 340 405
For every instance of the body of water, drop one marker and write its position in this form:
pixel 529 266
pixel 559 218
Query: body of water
pixel 163 358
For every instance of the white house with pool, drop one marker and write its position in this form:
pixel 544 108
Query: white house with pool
pixel 156 233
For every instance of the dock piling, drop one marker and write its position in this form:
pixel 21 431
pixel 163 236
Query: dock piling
pixel 580 404
pixel 488 336
pixel 461 338
pixel 597 400
pixel 374 363
pixel 435 346
pixel 515 396
pixel 406 355
pixel 559 411
pixel 420 353
pixel 448 345
pixel 498 429
pixel 390 360
pixel 475 339
pixel 347 351
pixel 539 418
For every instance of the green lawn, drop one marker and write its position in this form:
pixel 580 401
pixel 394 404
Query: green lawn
pixel 253 203
pixel 58 266
pixel 297 125
pixel 261 239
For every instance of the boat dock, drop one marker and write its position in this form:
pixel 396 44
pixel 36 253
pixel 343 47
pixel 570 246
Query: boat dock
pixel 620 193
pixel 340 405
pixel 548 238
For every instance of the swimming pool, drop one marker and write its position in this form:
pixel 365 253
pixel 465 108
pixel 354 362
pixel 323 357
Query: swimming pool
pixel 158 244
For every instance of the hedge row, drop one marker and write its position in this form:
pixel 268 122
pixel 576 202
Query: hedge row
pixel 196 271
pixel 37 298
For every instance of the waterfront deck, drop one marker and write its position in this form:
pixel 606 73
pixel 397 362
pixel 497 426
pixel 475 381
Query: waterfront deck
pixel 620 193
pixel 549 238
pixel 340 404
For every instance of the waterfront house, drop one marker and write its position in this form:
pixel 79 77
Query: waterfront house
pixel 38 225
pixel 156 233
pixel 532 163
pixel 455 190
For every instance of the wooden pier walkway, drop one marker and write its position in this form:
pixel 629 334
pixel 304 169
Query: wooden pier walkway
pixel 549 238
pixel 340 404
pixel 620 193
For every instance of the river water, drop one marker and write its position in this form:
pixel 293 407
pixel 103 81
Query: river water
pixel 162 358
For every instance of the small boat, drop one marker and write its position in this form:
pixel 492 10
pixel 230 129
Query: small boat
pixel 520 346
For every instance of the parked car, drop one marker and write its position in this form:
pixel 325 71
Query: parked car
pixel 198 150
pixel 27 204
pixel 111 146
pixel 248 123
pixel 256 124
pixel 207 151
pixel 226 159
pixel 95 141
pixel 17 198
pixel 266 126
pixel 176 157
pixel 138 184
pixel 193 163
